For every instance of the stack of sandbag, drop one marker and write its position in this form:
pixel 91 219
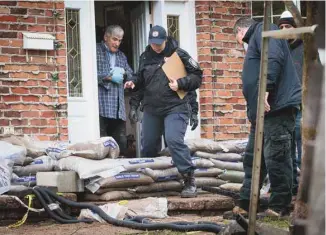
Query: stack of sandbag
pixel 226 156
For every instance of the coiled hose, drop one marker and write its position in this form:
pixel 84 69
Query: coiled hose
pixel 139 223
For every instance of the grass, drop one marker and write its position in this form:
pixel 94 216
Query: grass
pixel 279 223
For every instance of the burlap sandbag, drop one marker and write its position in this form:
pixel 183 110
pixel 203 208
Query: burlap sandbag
pixel 201 162
pixel 237 166
pixel 228 157
pixel 110 196
pixel 234 146
pixel 124 180
pixel 100 191
pixel 205 145
pixel 234 187
pixel 232 176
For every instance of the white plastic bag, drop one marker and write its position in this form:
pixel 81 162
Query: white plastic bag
pixel 15 153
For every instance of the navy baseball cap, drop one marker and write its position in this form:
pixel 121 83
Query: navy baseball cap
pixel 157 35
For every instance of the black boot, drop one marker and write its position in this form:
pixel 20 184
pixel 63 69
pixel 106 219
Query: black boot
pixel 189 188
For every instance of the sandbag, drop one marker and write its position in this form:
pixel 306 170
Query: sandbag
pixel 114 210
pixel 14 153
pixel 110 196
pixel 105 168
pixel 206 172
pixel 40 164
pixel 100 191
pixel 27 161
pixel 35 148
pixel 201 163
pixel 209 181
pixel 28 181
pixel 151 207
pixel 5 175
pixel 158 187
pixel 205 145
pixel 162 175
pixel 228 157
pixel 124 180
pixel 95 150
pixel 234 146
pixel 233 187
pixel 232 176
pixel 237 166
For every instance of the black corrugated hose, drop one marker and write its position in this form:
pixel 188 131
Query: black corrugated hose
pixel 46 196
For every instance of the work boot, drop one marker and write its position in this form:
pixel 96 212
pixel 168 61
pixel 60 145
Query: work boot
pixel 189 188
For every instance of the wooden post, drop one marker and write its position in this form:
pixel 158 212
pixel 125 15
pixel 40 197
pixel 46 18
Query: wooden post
pixel 259 135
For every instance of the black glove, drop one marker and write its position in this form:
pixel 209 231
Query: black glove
pixel 133 114
pixel 193 121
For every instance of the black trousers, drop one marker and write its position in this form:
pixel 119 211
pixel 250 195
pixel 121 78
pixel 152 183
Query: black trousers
pixel 115 128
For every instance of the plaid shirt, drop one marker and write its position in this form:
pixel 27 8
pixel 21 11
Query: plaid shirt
pixel 110 95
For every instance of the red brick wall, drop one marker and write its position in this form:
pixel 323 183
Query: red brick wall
pixel 223 109
pixel 30 100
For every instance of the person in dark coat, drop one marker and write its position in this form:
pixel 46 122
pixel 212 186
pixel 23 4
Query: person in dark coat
pixel 296 47
pixel 282 101
pixel 164 111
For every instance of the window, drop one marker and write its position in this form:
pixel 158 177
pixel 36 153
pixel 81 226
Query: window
pixel 173 27
pixel 73 53
pixel 257 9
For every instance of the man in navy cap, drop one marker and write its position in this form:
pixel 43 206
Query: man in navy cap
pixel 164 111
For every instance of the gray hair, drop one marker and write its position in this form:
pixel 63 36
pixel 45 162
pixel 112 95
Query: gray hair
pixel 114 30
pixel 242 22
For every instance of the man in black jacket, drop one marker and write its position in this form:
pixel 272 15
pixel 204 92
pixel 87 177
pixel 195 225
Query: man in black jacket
pixel 164 111
pixel 282 100
pixel 296 46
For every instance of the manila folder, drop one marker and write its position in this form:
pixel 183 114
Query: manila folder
pixel 174 67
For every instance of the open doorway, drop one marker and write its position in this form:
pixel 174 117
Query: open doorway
pixel 123 13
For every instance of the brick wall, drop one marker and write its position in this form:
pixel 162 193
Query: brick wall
pixel 30 100
pixel 223 108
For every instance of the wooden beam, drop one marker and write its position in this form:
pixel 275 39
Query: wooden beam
pixel 259 135
pixel 290 33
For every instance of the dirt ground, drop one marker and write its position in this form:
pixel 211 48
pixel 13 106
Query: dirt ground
pixel 52 228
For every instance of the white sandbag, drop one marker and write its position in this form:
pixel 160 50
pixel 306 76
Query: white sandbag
pixel 232 176
pixel 233 187
pixel 27 161
pixel 28 181
pixel 228 157
pixel 113 210
pixel 201 162
pixel 35 147
pixel 209 182
pixel 15 153
pixel 5 175
pixel 158 187
pixel 207 172
pixel 87 168
pixel 105 147
pixel 40 164
pixel 152 208
pixel 237 166
pixel 58 150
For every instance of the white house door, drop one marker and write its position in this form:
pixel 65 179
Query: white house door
pixel 83 119
pixel 178 17
pixel 140 25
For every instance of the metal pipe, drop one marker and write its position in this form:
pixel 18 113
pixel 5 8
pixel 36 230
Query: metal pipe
pixel 259 135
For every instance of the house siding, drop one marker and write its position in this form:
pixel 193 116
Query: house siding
pixel 223 108
pixel 30 100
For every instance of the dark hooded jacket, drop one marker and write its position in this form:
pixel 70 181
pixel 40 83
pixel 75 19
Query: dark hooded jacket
pixel 296 48
pixel 283 83
pixel 159 99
